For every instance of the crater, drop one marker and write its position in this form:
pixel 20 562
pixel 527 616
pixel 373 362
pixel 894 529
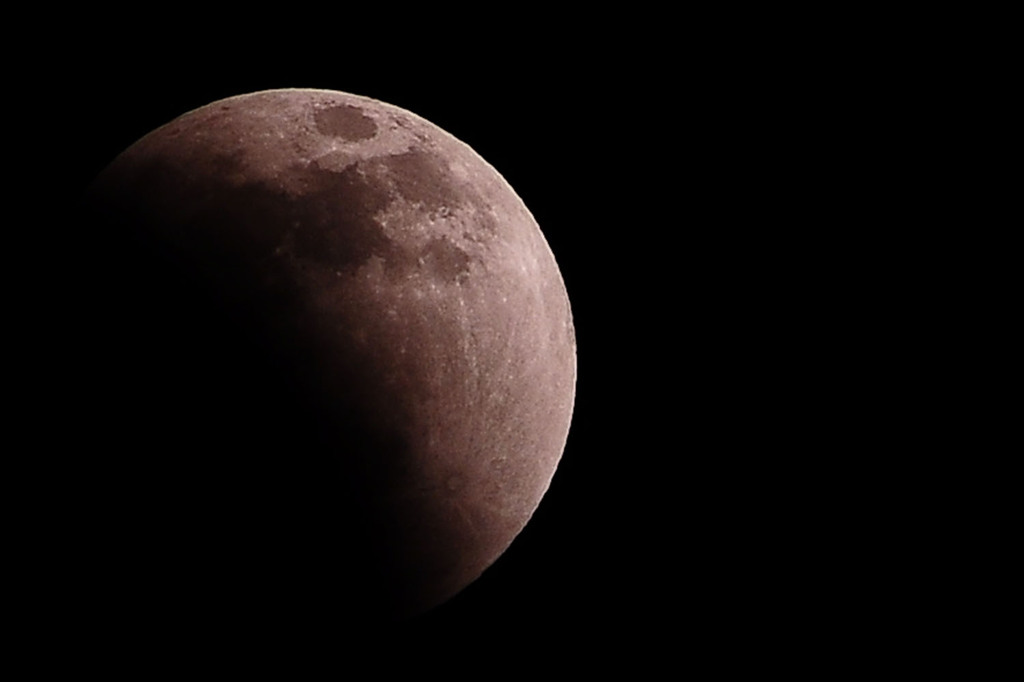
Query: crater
pixel 345 121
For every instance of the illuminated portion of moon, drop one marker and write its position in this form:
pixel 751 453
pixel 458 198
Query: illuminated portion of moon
pixel 397 279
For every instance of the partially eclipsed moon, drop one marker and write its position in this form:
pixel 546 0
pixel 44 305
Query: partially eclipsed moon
pixel 349 344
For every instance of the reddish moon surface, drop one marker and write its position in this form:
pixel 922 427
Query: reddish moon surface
pixel 346 352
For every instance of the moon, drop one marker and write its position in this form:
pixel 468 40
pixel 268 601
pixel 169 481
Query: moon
pixel 344 355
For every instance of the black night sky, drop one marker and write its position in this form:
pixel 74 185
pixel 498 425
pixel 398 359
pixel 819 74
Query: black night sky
pixel 697 510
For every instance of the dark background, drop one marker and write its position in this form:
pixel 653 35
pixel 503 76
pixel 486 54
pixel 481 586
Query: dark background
pixel 596 161
pixel 706 504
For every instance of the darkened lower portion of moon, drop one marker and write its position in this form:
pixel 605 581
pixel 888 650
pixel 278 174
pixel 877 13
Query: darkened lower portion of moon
pixel 344 355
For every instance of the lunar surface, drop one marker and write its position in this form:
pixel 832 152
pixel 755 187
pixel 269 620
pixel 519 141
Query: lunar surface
pixel 344 354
